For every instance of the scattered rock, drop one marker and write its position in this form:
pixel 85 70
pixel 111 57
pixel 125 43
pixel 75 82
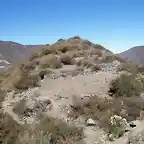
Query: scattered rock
pixel 90 122
pixel 110 67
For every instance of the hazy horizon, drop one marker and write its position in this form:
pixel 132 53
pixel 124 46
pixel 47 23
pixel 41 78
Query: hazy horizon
pixel 115 24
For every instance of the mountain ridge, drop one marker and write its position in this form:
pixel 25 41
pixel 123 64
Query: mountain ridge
pixel 134 54
pixel 13 52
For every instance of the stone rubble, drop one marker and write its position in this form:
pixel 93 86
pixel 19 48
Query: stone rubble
pixel 111 67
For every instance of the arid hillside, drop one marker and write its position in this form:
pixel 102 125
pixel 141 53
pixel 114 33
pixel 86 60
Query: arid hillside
pixel 135 54
pixel 72 92
pixel 11 52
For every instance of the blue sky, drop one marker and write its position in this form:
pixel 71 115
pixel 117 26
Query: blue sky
pixel 116 24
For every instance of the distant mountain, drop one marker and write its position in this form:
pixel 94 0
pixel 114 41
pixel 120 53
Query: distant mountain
pixel 135 54
pixel 12 52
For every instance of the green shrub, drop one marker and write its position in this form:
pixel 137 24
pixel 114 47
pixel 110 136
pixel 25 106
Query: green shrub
pixel 60 40
pixel 34 56
pixel 20 107
pixel 66 59
pixel 116 129
pixel 95 52
pixel 85 63
pixel 130 67
pixel 51 61
pixel 25 81
pixel 125 85
pixel 45 51
pixel 44 72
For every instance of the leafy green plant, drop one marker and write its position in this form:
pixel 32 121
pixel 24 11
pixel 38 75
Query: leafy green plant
pixel 116 129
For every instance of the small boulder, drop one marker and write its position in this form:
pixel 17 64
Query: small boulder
pixel 90 122
pixel 132 124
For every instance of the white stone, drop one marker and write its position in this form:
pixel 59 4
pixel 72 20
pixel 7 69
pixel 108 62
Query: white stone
pixel 90 122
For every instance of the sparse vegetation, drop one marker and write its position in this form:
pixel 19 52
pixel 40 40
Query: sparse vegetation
pixel 97 108
pixel 48 130
pixel 60 131
pixel 103 109
pixel 126 85
pixel 9 129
